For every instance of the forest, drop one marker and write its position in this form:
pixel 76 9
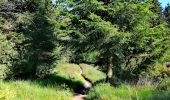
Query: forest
pixel 84 50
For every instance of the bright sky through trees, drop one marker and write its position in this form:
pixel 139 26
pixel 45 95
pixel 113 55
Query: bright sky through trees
pixel 164 2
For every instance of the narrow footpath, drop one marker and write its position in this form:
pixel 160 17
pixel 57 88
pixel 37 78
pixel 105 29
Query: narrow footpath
pixel 86 87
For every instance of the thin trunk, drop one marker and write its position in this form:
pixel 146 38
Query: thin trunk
pixel 109 69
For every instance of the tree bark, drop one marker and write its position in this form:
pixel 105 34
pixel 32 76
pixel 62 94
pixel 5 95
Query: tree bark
pixel 109 69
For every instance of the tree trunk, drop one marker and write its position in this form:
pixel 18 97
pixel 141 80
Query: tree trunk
pixel 109 69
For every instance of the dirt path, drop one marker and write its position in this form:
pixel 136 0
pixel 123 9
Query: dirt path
pixel 79 97
pixel 87 86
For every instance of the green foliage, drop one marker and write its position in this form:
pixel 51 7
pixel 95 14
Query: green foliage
pixel 126 92
pixel 91 73
pixel 33 38
pixel 90 57
pixel 165 85
pixel 21 90
pixel 121 29
pixel 8 55
pixel 91 28
pixel 157 9
pixel 167 13
pixel 41 34
pixel 126 38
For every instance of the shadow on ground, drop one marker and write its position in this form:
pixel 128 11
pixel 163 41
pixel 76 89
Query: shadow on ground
pixel 56 80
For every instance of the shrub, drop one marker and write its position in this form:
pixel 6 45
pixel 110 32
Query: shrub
pixel 165 84
pixel 7 56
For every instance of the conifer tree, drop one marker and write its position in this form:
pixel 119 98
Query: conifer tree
pixel 167 13
pixel 157 9
pixel 139 46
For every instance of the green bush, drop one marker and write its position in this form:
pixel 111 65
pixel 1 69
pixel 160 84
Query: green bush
pixel 165 84
pixel 7 56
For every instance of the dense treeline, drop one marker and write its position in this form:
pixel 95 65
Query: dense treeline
pixel 127 39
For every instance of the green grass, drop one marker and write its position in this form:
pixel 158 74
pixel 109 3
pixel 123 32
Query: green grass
pixel 26 90
pixel 165 85
pixel 70 72
pixel 127 92
pixel 73 72
pixel 91 73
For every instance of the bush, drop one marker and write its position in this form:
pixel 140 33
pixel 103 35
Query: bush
pixel 7 56
pixel 70 72
pixel 165 85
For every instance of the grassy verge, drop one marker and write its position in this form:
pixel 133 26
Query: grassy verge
pixel 26 90
pixel 127 92
pixel 91 73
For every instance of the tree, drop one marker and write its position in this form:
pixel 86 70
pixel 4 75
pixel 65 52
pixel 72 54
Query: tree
pixel 157 9
pixel 38 56
pixel 132 53
pixel 27 25
pixel 93 39
pixel 167 13
pixel 8 56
